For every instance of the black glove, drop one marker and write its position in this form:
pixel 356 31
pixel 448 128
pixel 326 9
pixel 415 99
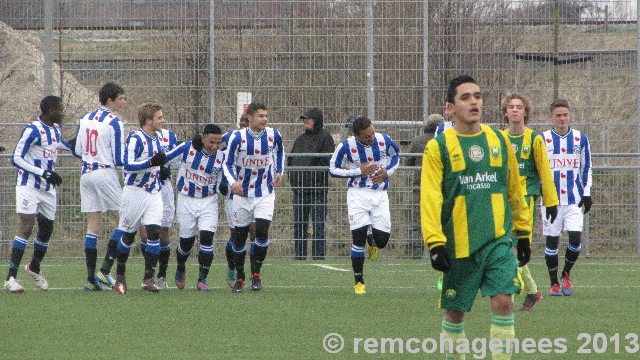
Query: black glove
pixel 72 142
pixel 586 201
pixel 196 142
pixel 223 189
pixel 552 212
pixel 2 148
pixel 440 259
pixel 52 178
pixel 158 159
pixel 524 251
pixel 165 172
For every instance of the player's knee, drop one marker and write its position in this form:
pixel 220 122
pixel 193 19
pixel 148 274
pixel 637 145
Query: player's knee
pixel 153 232
pixel 206 237
pixel 552 242
pixel 574 238
pixel 380 238
pixel 262 229
pixel 45 229
pixel 128 238
pixel 187 243
pixel 359 236
pixel 240 236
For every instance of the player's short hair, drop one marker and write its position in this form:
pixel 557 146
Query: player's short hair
pixel 211 129
pixel 452 90
pixel 255 106
pixel 243 120
pixel 526 102
pixel 559 103
pixel 108 91
pixel 147 111
pixel 49 102
pixel 360 124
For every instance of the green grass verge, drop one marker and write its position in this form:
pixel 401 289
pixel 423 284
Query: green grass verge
pixel 300 304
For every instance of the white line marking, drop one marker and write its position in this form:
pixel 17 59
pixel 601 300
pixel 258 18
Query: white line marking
pixel 329 267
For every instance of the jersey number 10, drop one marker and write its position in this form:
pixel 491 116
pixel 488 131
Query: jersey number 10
pixel 92 138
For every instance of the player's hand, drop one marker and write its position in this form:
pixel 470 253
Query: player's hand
pixel 72 142
pixel 158 159
pixel 380 176
pixel 440 258
pixel 586 201
pixel 52 178
pixel 552 212
pixel 277 178
pixel 197 143
pixel 368 169
pixel 165 172
pixel 223 189
pixel 524 251
pixel 236 187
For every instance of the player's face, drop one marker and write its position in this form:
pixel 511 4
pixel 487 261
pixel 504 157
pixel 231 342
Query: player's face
pixel 118 103
pixel 309 123
pixel 244 121
pixel 258 121
pixel 57 114
pixel 157 121
pixel 515 112
pixel 366 136
pixel 560 117
pixel 467 106
pixel 212 142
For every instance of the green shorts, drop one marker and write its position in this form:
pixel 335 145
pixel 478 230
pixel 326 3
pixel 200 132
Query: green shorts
pixel 492 269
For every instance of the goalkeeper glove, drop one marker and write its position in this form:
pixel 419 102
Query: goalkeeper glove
pixel 440 259
pixel 524 251
pixel 52 178
pixel 586 201
pixel 552 212
pixel 158 159
pixel 196 142
pixel 165 172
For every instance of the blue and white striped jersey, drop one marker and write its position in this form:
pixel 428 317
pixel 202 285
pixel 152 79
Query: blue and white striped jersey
pixel 350 154
pixel 225 140
pixel 570 161
pixel 254 160
pixel 37 152
pixel 442 127
pixel 168 141
pixel 200 173
pixel 100 140
pixel 136 169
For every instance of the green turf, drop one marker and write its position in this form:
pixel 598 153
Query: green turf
pixel 299 305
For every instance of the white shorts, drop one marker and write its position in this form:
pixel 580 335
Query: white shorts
pixel 139 207
pixel 569 216
pixel 35 201
pixel 228 204
pixel 168 205
pixel 244 210
pixel 197 214
pixel 368 207
pixel 100 191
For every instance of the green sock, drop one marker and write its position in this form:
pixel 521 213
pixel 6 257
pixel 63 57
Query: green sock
pixel 502 327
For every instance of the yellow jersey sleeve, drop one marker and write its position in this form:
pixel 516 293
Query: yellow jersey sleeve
pixel 431 198
pixel 549 193
pixel 515 195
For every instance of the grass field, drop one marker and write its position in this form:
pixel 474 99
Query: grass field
pixel 300 304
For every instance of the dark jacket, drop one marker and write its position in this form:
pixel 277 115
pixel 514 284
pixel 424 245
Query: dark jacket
pixel 312 141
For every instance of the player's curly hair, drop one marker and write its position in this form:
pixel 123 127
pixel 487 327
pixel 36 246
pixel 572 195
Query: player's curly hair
pixel 528 107
pixel 147 111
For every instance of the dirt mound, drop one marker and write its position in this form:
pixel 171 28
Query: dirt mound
pixel 22 84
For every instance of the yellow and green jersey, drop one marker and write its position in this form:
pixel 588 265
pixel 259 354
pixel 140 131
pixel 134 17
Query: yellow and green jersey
pixel 470 191
pixel 533 164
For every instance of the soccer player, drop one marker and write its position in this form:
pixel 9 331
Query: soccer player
pixel 100 142
pixel 469 203
pixel 198 185
pixel 141 199
pixel 168 141
pixel 254 166
pixel 570 159
pixel 36 156
pixel 535 175
pixel 231 266
pixel 367 159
